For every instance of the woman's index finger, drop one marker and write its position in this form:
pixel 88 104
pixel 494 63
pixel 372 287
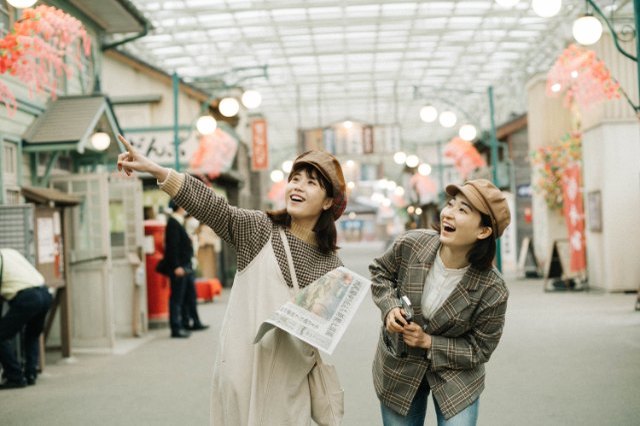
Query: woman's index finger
pixel 126 143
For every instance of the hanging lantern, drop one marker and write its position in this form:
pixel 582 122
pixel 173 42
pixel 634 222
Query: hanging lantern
pixel 206 125
pixel 587 30
pixel 100 141
pixel 21 4
pixel 546 8
pixel 228 107
pixel 251 99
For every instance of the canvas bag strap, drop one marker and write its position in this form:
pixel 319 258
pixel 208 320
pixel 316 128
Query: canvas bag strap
pixel 287 249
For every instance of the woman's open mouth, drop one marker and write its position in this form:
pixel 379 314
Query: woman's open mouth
pixel 448 228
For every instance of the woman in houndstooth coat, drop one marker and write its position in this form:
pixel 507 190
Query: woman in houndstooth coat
pixel 458 300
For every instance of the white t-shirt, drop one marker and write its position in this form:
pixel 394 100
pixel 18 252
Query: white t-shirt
pixel 438 286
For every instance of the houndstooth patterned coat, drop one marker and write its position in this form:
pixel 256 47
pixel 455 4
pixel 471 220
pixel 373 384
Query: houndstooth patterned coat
pixel 464 330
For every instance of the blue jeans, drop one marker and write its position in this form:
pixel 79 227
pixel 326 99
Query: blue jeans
pixel 418 411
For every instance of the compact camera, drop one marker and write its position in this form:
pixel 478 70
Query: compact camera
pixel 407 308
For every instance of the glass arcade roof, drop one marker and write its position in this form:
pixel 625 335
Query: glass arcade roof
pixel 372 61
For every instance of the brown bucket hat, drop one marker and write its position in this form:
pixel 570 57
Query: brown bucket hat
pixel 330 168
pixel 487 199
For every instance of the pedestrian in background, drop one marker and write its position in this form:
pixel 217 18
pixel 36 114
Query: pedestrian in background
pixel 190 318
pixel 178 252
pixel 459 301
pixel 265 383
pixel 29 300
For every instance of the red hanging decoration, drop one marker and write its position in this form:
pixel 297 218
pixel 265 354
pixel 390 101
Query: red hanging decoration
pixel 582 77
pixel 424 187
pixel 214 154
pixel 276 194
pixel 36 48
pixel 465 156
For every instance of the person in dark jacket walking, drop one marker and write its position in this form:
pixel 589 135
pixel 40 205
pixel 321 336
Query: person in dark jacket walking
pixel 178 254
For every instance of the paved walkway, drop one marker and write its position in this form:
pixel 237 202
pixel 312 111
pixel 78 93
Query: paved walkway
pixel 565 359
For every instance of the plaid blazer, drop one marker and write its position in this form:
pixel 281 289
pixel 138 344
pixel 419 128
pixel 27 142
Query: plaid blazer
pixel 464 330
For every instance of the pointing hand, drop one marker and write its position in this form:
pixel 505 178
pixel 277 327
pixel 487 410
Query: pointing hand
pixel 131 160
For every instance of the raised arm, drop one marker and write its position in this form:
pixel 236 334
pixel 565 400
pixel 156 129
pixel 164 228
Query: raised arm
pixel 246 230
pixel 131 160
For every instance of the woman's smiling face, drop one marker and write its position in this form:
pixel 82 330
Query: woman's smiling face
pixel 305 197
pixel 460 224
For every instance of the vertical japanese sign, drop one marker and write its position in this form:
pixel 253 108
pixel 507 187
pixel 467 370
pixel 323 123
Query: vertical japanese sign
pixel 574 217
pixel 260 147
pixel 508 241
pixel 367 139
pixel 329 138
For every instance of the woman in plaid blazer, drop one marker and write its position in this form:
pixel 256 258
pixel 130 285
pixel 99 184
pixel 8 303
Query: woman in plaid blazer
pixel 458 301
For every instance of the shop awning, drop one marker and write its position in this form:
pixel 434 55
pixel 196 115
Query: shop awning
pixel 48 195
pixel 68 123
pixel 114 16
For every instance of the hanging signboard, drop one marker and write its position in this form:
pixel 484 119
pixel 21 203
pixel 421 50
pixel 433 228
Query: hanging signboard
pixel 354 140
pixel 158 145
pixel 329 138
pixel 574 217
pixel 260 146
pixel 367 139
pixel 215 154
pixel 508 241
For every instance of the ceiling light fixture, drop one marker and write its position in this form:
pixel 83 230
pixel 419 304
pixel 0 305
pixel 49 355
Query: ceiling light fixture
pixel 507 3
pixel 206 125
pixel 424 169
pixel 428 113
pixel 287 166
pixel 546 8
pixel 228 107
pixel 399 157
pixel 277 176
pixel 468 132
pixel 447 119
pixel 412 161
pixel 21 4
pixel 251 99
pixel 100 141
pixel 587 29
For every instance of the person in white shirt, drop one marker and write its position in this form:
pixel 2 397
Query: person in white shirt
pixel 29 300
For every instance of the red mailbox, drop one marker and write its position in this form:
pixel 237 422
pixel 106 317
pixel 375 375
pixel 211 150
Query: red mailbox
pixel 158 288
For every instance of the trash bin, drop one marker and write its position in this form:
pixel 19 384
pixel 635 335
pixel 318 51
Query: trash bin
pixel 158 287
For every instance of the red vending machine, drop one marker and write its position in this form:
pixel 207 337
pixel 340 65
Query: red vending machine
pixel 158 288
